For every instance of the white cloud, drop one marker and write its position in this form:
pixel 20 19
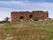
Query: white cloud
pixel 26 6
pixel 6 12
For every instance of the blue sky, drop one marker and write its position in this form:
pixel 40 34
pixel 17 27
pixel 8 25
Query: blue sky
pixel 7 6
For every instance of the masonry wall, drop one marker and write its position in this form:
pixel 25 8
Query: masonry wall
pixel 40 15
pixel 16 16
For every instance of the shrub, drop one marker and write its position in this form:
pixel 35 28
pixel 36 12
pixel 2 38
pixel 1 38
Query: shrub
pixel 36 19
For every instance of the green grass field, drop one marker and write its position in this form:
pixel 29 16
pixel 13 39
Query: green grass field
pixel 27 30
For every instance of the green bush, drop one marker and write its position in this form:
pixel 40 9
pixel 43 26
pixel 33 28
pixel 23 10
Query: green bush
pixel 36 19
pixel 4 22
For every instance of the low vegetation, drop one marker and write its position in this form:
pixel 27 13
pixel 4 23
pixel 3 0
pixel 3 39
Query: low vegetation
pixel 27 30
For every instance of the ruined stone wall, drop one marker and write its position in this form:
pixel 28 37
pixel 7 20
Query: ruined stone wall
pixel 40 15
pixel 16 16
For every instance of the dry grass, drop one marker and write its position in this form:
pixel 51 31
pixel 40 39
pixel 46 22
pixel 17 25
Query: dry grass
pixel 27 30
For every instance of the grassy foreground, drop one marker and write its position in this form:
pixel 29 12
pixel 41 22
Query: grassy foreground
pixel 27 30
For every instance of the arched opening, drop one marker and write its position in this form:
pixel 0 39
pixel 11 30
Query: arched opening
pixel 30 16
pixel 21 17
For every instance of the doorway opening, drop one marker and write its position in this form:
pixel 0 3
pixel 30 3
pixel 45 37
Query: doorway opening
pixel 30 16
pixel 21 17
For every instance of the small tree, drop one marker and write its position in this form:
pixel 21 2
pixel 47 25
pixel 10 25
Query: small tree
pixel 7 18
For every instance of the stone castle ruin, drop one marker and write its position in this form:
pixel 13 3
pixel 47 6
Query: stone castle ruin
pixel 26 15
